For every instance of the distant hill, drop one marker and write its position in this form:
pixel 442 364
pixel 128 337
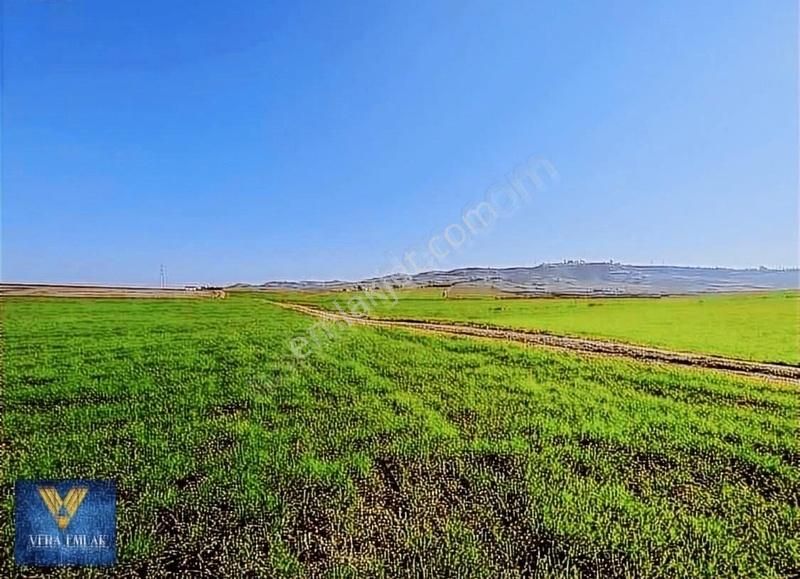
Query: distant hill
pixel 571 278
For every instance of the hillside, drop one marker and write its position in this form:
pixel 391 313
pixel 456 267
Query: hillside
pixel 571 278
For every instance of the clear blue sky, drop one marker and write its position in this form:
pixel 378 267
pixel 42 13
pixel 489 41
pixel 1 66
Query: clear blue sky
pixel 251 140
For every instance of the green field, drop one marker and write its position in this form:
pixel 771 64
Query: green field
pixel 757 326
pixel 389 453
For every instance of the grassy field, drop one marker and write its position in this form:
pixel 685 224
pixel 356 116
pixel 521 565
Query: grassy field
pixel 759 326
pixel 387 453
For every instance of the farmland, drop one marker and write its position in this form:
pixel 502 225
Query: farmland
pixel 389 453
pixel 753 326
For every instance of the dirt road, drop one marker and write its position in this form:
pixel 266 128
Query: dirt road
pixel 586 345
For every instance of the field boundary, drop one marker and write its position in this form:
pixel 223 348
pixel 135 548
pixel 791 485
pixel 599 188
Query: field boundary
pixel 784 372
pixel 14 290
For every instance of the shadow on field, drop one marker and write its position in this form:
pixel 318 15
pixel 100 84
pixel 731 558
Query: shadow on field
pixel 467 516
pixel 471 516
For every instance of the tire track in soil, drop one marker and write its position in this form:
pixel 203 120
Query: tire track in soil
pixel 784 373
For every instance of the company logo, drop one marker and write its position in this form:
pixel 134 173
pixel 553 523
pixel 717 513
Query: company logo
pixel 63 510
pixel 69 522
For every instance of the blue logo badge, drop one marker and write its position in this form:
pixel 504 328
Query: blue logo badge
pixel 66 522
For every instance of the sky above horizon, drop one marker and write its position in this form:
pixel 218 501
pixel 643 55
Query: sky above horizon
pixel 249 141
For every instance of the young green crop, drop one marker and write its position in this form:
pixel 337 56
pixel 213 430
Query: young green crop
pixel 757 326
pixel 389 453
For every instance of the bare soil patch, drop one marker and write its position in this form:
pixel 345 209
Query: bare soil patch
pixel 88 291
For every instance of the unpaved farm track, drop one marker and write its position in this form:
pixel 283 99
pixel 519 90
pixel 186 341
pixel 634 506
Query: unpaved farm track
pixel 591 346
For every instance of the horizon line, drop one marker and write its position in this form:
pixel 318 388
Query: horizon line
pixel 794 268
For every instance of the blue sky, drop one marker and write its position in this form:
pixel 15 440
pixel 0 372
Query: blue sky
pixel 246 141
